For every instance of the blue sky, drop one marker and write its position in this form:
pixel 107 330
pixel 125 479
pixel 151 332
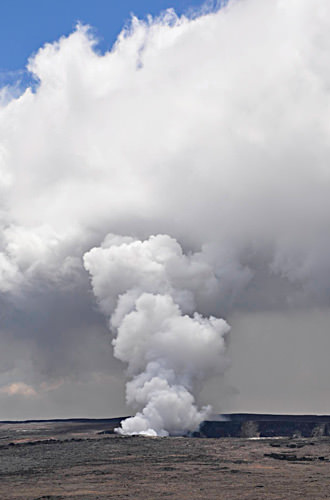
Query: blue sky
pixel 25 25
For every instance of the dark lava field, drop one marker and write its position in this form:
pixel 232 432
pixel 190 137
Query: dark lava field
pixel 77 460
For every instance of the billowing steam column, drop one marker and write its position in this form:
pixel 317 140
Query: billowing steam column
pixel 151 291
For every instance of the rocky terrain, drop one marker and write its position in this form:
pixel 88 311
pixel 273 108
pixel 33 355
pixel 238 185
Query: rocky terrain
pixel 263 425
pixel 81 460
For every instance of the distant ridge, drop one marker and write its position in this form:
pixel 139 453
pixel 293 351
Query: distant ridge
pixel 234 417
pixel 244 425
pixel 65 420
pixel 241 417
pixel 255 425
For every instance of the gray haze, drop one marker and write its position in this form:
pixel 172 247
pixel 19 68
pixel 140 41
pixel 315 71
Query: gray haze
pixel 212 131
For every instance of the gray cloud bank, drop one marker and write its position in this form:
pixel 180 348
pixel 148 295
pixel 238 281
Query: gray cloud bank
pixel 213 132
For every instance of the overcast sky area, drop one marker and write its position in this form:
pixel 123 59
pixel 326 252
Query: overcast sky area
pixel 164 177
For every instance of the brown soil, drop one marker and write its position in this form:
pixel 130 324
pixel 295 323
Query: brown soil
pixel 52 462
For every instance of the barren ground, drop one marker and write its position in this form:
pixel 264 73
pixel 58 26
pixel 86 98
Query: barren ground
pixel 71 461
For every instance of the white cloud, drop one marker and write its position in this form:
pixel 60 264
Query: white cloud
pixel 214 131
pixel 19 389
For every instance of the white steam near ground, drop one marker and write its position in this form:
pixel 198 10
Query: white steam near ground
pixel 177 183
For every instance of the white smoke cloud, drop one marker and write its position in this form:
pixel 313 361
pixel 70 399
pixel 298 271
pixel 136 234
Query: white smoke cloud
pixel 212 130
pixel 148 288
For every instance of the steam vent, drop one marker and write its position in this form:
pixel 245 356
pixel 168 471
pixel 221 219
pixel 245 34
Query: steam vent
pixel 262 425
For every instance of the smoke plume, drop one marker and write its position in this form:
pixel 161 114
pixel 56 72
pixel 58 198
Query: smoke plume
pixel 149 289
pixel 206 141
